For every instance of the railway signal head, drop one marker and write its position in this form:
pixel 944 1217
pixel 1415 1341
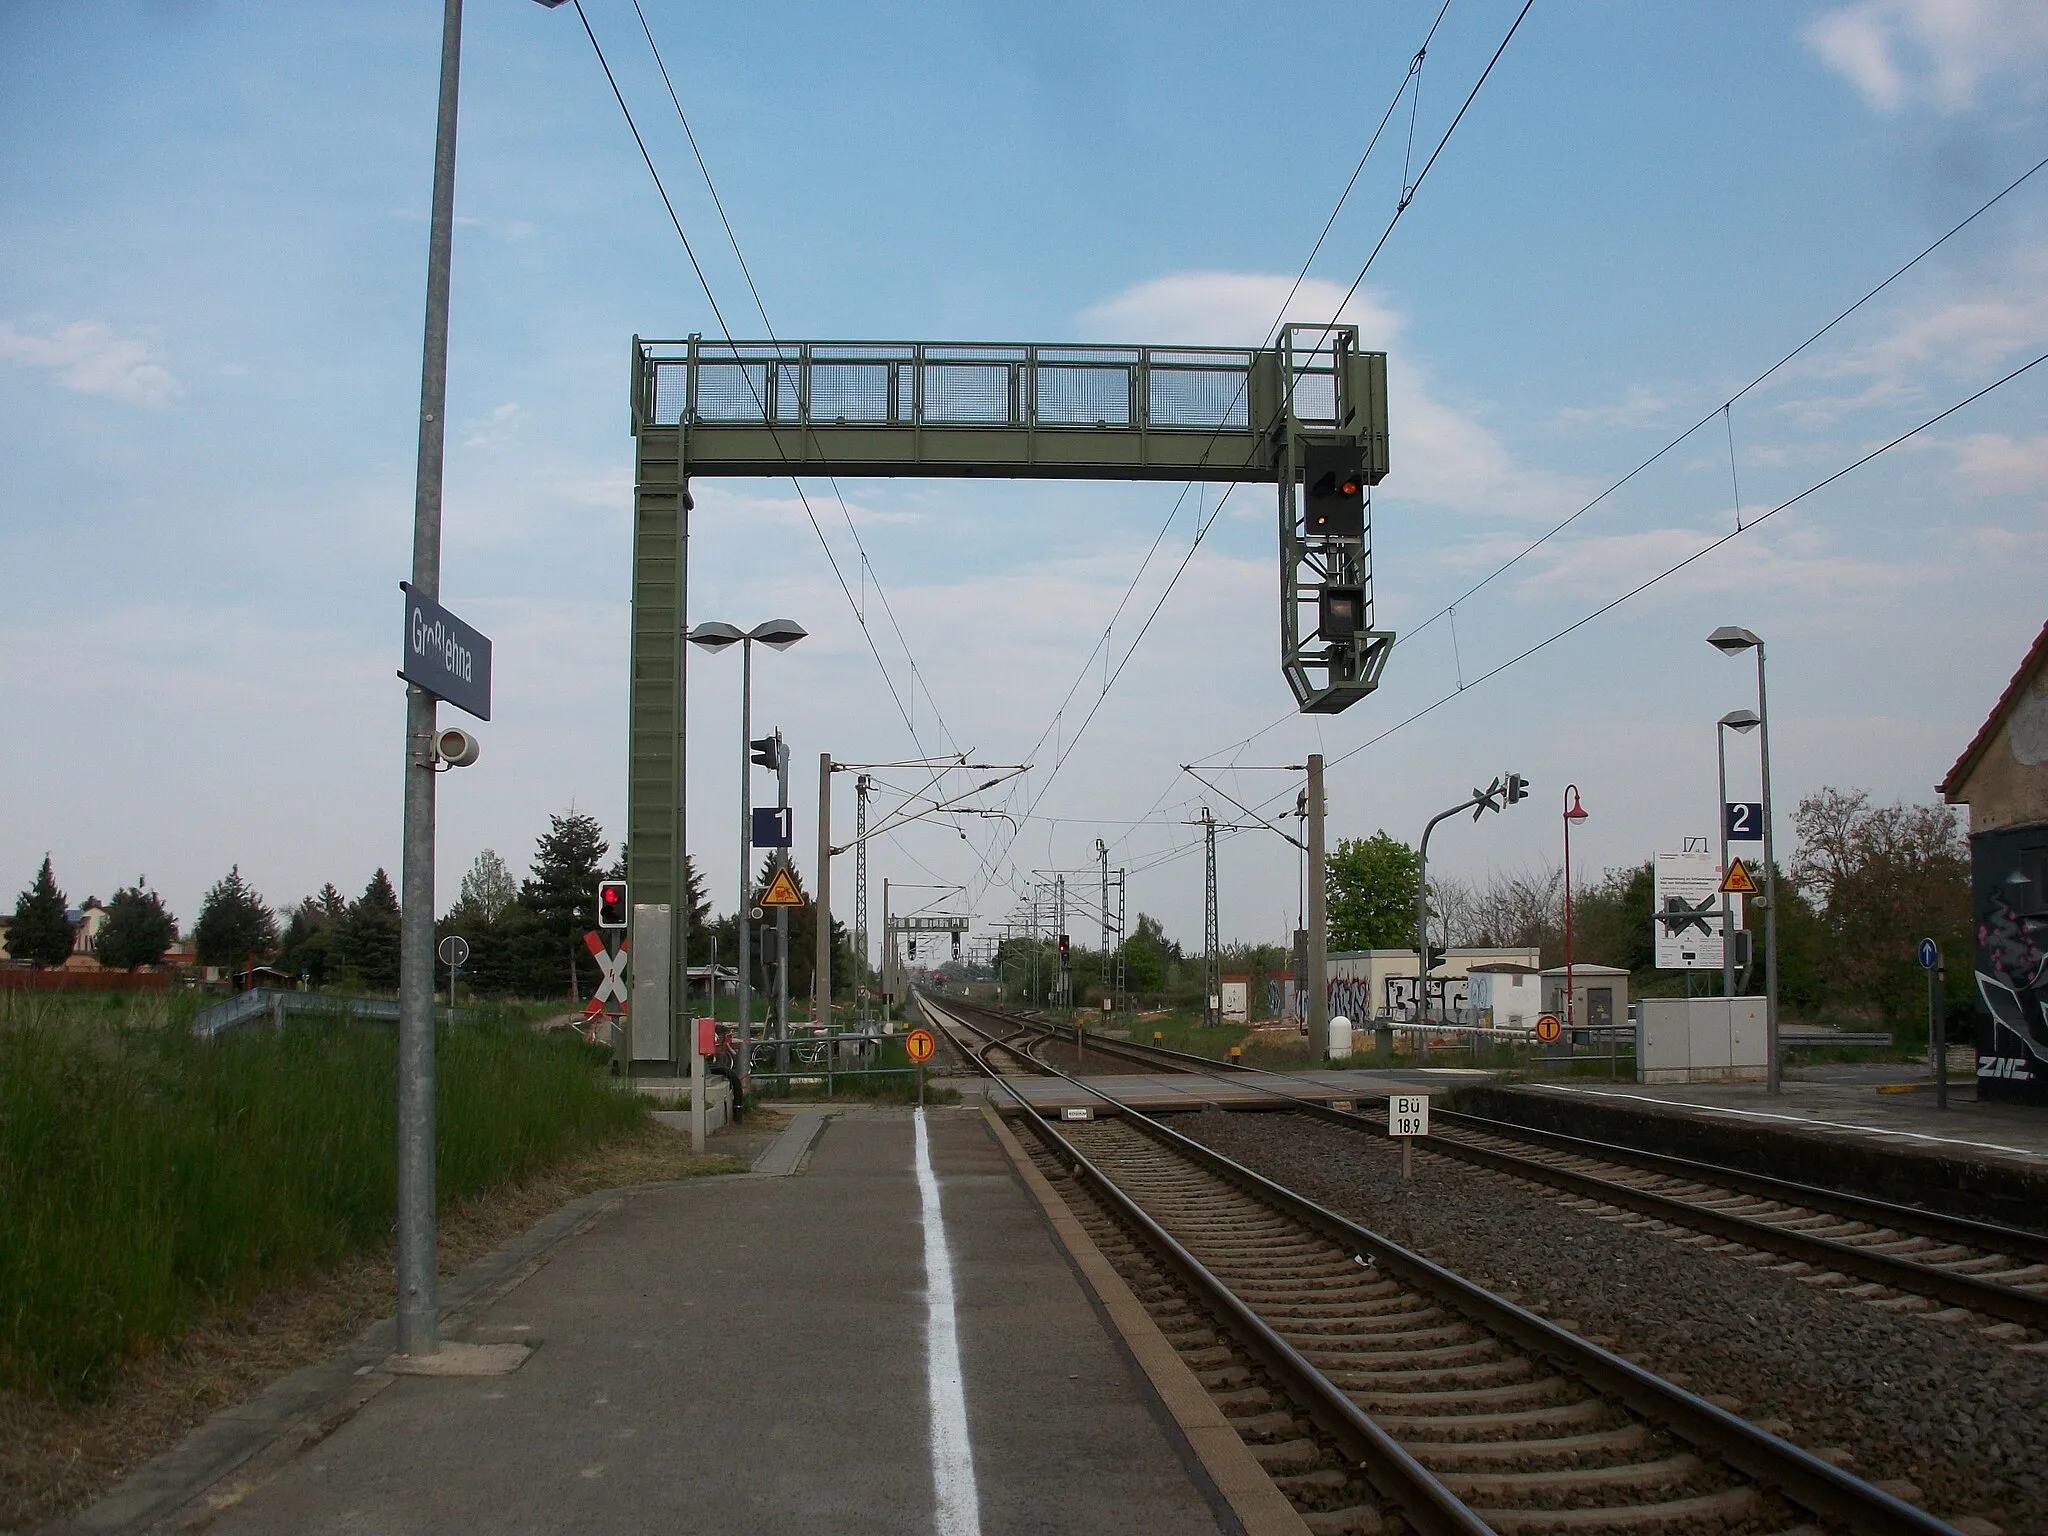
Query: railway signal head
pixel 1517 787
pixel 763 753
pixel 1063 949
pixel 612 908
pixel 1340 613
pixel 1333 484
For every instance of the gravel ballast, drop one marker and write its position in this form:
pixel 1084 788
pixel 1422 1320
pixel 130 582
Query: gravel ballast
pixel 1961 1417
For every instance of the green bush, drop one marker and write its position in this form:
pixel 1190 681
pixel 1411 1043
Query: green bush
pixel 145 1174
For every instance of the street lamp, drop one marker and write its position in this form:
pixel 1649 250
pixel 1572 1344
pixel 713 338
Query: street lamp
pixel 1730 640
pixel 714 636
pixel 1574 813
pixel 1745 721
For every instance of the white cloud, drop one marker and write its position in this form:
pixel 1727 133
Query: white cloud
pixel 87 356
pixel 1997 464
pixel 1939 53
pixel 1441 454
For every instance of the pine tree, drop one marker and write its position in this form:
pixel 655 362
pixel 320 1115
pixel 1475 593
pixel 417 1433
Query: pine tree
pixel 235 924
pixel 561 897
pixel 138 929
pixel 39 930
pixel 370 935
pixel 311 937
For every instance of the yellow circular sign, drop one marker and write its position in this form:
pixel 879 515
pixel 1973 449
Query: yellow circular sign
pixel 1549 1028
pixel 919 1045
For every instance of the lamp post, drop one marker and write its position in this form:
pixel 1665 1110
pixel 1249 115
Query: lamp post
pixel 1731 640
pixel 1574 813
pixel 1745 721
pixel 714 636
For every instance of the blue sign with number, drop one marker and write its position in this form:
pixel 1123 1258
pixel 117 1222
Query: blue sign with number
pixel 1930 954
pixel 774 826
pixel 1744 821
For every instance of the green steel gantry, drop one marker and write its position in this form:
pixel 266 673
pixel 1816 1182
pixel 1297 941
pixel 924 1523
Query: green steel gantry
pixel 1254 415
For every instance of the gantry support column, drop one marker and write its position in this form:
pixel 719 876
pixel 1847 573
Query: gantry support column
pixel 656 727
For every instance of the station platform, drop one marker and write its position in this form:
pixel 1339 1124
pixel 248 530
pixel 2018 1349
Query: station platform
pixel 1168 1092
pixel 1875 1126
pixel 766 1352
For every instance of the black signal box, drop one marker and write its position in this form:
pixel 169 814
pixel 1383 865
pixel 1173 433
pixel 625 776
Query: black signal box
pixel 1333 491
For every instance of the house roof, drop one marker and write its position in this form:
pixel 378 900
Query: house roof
pixel 2006 700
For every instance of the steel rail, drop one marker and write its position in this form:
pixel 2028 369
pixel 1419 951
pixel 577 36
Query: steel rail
pixel 1775 1464
pixel 1425 1502
pixel 1988 1296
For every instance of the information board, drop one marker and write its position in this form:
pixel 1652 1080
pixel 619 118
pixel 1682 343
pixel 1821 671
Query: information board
pixel 1686 911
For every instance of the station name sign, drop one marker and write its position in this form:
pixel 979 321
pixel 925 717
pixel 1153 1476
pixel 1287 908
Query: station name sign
pixel 445 656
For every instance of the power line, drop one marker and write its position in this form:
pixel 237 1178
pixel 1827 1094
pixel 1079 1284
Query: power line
pixel 1408 193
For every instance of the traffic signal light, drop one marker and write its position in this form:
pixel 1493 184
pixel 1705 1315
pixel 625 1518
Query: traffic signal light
pixel 1518 788
pixel 612 909
pixel 1433 958
pixel 956 944
pixel 1333 491
pixel 913 949
pixel 763 752
pixel 1063 949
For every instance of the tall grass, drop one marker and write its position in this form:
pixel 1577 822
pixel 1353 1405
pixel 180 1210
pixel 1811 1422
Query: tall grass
pixel 145 1174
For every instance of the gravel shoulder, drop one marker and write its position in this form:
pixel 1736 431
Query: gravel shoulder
pixel 1935 1404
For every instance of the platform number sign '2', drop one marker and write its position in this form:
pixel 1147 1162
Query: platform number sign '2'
pixel 1744 821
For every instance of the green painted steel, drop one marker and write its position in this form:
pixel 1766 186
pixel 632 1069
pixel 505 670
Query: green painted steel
pixel 999 410
pixel 996 411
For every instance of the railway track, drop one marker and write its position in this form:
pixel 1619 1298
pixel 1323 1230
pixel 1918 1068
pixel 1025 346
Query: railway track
pixel 1896 1257
pixel 1464 1412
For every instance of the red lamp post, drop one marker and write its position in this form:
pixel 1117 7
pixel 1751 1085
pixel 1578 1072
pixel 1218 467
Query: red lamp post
pixel 1573 814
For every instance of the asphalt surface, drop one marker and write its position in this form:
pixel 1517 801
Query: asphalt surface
pixel 748 1354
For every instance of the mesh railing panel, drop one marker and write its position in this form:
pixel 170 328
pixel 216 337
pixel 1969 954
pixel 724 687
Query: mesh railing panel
pixel 1197 398
pixel 731 391
pixel 1315 396
pixel 671 393
pixel 967 392
pixel 849 391
pixel 788 396
pixel 1083 397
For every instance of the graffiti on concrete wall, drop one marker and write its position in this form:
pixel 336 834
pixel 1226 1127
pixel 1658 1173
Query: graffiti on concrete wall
pixel 2012 980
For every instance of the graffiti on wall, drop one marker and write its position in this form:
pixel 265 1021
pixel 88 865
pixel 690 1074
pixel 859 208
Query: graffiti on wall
pixel 2014 991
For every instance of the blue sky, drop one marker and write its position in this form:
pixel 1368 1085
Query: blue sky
pixel 212 242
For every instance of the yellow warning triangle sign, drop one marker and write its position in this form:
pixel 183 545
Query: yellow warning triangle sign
pixel 1738 881
pixel 782 891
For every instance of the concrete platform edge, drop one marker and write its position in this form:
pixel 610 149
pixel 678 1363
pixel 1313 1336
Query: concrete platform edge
pixel 1233 1471
pixel 233 1451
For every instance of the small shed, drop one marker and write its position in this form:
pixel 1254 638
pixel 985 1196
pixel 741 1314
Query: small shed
pixel 2002 777
pixel 1599 995
pixel 1504 994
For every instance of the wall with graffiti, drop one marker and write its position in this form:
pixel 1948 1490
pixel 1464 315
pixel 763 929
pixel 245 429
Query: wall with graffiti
pixel 2009 875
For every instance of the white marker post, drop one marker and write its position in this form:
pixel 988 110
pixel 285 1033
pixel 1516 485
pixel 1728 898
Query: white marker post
pixel 1407 1118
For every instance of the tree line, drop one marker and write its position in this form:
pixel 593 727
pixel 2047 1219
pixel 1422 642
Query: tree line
pixel 525 936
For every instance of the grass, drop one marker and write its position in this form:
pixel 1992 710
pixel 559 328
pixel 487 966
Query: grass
pixel 147 1177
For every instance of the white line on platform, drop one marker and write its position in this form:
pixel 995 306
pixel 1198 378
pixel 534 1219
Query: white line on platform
pixel 959 1506
pixel 1761 1114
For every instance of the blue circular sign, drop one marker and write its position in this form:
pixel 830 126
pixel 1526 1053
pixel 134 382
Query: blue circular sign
pixel 1930 955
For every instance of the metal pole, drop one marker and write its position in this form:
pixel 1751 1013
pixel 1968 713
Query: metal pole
pixel 1120 891
pixel 781 924
pixel 1727 907
pixel 746 958
pixel 418 1303
pixel 682 1031
pixel 1937 1035
pixel 861 970
pixel 1318 919
pixel 888 951
pixel 1212 958
pixel 1102 855
pixel 1569 978
pixel 1763 710
pixel 821 949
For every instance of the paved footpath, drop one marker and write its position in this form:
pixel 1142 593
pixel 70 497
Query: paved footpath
pixel 750 1355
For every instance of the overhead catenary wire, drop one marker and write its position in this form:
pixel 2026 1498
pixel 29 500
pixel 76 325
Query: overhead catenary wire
pixel 696 266
pixel 1223 500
